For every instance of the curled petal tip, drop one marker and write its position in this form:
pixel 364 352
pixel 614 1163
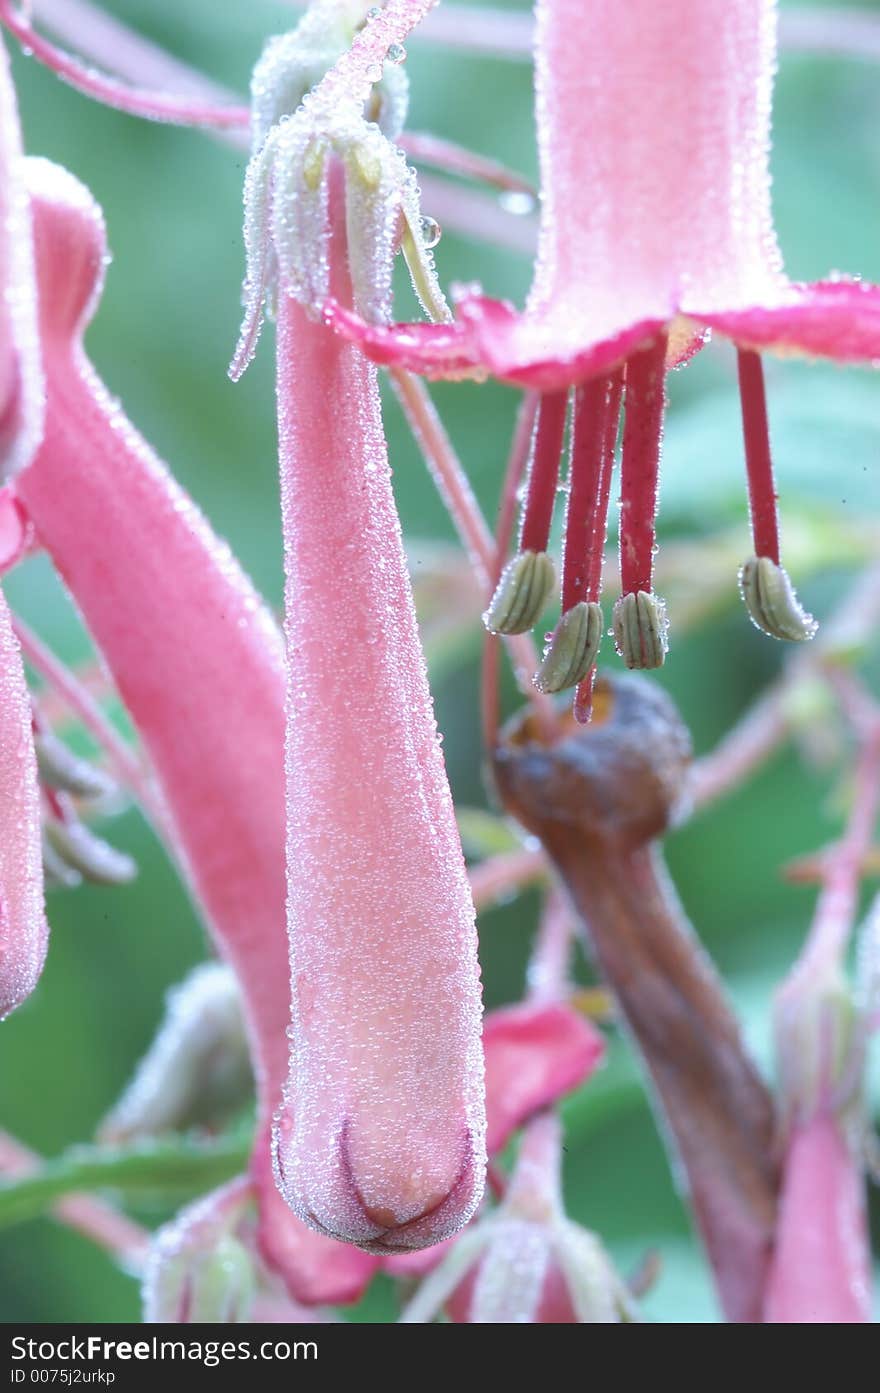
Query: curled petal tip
pixel 640 628
pixel 771 601
pixel 70 243
pixel 521 594
pixel 382 1204
pixel 572 649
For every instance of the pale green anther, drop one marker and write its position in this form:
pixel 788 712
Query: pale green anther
pixel 92 857
pixel 572 650
pixel 58 874
pixel 314 160
pixel 364 165
pixel 522 593
pixel 60 768
pixel 772 603
pixel 640 627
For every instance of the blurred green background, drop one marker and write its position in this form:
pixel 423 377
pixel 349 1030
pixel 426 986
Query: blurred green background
pixel 162 340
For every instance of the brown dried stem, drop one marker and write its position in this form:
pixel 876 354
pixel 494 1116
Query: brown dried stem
pixel 598 798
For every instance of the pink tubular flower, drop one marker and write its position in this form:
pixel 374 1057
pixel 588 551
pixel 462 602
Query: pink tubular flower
pixel 653 127
pixel 197 661
pixel 381 1141
pixel 21 383
pixel 821 1271
pixel 22 920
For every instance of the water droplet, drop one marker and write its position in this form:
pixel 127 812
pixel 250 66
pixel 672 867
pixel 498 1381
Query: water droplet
pixel 517 201
pixel 431 232
pixel 396 53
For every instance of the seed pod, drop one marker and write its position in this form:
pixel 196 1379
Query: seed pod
pixel 572 650
pixel 640 626
pixel 521 594
pixel 772 603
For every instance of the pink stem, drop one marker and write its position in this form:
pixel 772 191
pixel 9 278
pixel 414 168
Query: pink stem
pixel 544 472
pixel 759 462
pixel 126 766
pixel 455 490
pixel 502 875
pixel 452 483
pixel 424 148
pixel 640 466
pixel 550 961
pixel 155 106
pixel 594 547
pixel 90 1217
pixel 842 870
pixel 586 520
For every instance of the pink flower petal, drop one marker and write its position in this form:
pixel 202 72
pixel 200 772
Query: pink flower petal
pixel 830 319
pixel 534 1055
pixel 820 1273
pixel 383 1141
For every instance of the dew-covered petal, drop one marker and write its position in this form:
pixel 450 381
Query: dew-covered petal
pixel 383 1140
pixel 21 379
pixel 838 319
pixel 22 918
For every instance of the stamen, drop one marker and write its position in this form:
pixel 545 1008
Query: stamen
pixel 759 462
pixel 544 472
pixel 594 433
pixel 766 589
pixel 527 581
pixel 639 616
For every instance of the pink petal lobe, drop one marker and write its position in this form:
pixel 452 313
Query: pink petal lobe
pixel 829 319
pixel 193 651
pixel 820 1272
pixel 534 1055
pixel 22 918
pixel 382 1141
pixel 21 379
pixel 535 351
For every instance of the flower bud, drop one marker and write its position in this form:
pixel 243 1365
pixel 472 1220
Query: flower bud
pixel 198 1271
pixel 197 1069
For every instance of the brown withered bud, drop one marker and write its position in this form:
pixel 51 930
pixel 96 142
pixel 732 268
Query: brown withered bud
pixel 598 797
